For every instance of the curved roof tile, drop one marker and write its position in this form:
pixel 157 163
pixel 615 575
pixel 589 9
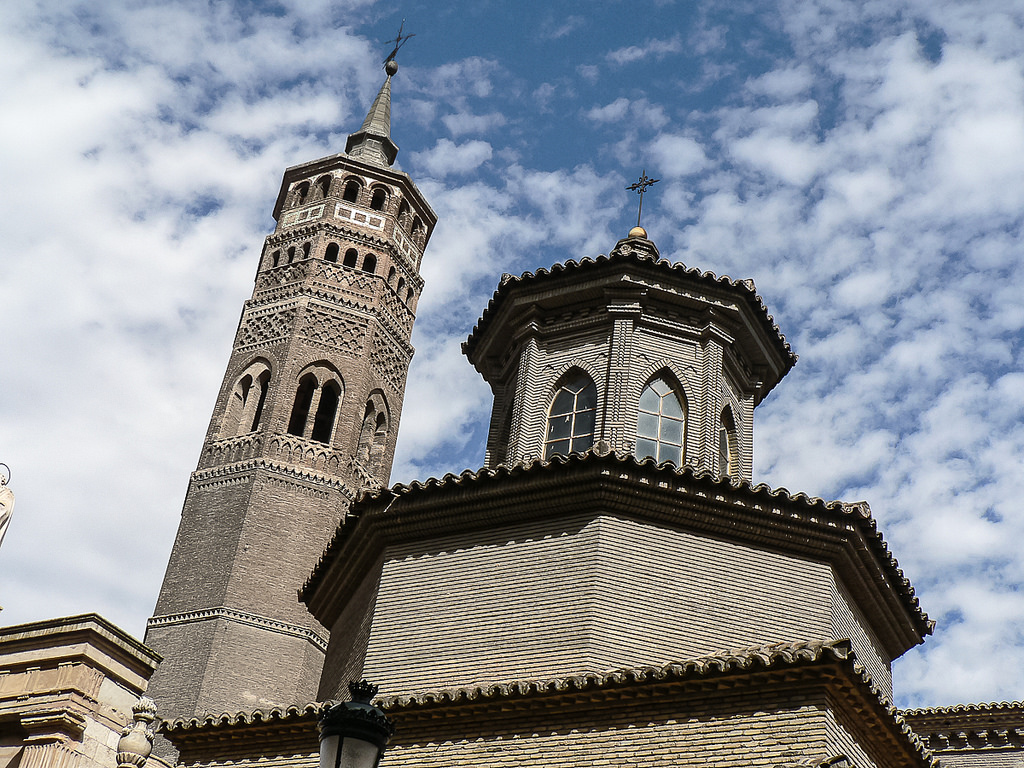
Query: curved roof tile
pixel 625 252
pixel 770 656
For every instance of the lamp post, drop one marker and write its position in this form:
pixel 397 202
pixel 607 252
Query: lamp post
pixel 353 734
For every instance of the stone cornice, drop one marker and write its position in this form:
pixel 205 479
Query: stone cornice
pixel 241 617
pixel 970 727
pixel 290 470
pixel 87 638
pixel 840 533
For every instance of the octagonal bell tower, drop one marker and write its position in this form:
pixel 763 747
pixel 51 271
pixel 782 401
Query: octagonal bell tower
pixel 307 415
pixel 631 353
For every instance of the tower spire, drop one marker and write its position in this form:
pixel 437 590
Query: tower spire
pixel 372 142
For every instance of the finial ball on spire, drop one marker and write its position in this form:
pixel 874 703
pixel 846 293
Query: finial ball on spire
pixel 391 67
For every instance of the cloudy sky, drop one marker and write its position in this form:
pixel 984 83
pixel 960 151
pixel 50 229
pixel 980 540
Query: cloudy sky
pixel 862 161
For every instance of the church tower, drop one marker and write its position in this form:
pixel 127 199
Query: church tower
pixel 307 415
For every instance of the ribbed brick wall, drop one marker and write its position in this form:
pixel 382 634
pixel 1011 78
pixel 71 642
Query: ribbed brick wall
pixel 577 594
pixel 848 621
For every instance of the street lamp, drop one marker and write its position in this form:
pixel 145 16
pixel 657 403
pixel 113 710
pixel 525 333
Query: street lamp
pixel 353 734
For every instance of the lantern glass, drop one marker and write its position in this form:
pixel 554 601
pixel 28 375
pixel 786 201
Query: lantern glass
pixel 329 751
pixel 356 753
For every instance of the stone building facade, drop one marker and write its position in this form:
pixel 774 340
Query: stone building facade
pixel 71 695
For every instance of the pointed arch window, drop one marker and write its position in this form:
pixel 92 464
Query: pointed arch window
pixel 661 424
pixel 323 185
pixel 371 450
pixel 728 447
pixel 264 386
pixel 326 412
pixel 300 408
pixel 571 416
pixel 245 406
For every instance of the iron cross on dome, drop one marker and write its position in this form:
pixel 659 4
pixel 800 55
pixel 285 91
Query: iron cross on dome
pixel 640 187
pixel 399 41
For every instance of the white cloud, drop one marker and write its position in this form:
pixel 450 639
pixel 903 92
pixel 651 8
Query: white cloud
pixel 462 123
pixel 447 157
pixel 677 155
pixel 651 48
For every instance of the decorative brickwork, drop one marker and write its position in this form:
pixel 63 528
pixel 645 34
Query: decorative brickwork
pixel 260 330
pixel 284 453
pixel 388 361
pixel 345 334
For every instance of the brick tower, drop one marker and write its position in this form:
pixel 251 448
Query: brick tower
pixel 306 416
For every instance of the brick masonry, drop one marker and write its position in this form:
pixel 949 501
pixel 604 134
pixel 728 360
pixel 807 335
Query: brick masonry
pixel 334 302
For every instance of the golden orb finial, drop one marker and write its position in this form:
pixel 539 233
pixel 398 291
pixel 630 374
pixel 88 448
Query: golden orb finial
pixel 638 232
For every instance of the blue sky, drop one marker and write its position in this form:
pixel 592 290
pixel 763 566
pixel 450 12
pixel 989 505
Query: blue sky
pixel 862 162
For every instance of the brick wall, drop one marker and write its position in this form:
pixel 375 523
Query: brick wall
pixel 581 593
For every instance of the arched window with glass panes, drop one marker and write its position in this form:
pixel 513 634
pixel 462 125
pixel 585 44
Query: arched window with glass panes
pixel 661 423
pixel 571 416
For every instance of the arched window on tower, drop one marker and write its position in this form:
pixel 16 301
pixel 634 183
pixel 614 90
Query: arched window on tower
pixel 351 193
pixel 391 276
pixel 380 443
pixel 401 286
pixel 408 296
pixel 326 412
pixel 728 447
pixel 305 250
pixel 332 252
pixel 263 381
pixel 571 416
pixel 323 186
pixel 370 263
pixel 301 193
pixel 373 435
pixel 380 197
pixel 245 406
pixel 276 255
pixel 351 256
pixel 661 424
pixel 300 409
pixel 291 254
pixel 403 215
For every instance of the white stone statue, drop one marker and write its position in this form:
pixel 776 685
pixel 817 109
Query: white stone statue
pixel 6 507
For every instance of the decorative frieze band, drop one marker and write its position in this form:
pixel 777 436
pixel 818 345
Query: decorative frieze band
pixel 240 617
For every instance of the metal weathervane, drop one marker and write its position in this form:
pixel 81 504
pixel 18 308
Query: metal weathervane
pixel 399 41
pixel 640 187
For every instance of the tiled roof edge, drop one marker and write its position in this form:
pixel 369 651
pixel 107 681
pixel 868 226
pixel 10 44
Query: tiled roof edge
pixel 618 254
pixel 246 717
pixel 983 708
